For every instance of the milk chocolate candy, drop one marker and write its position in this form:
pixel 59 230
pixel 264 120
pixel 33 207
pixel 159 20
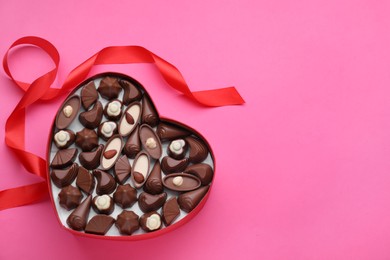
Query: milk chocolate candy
pixel 109 88
pixel 148 202
pixel 64 158
pixel 153 184
pixel 168 131
pixel 133 144
pixel 129 119
pixel 149 113
pixel 198 150
pixel 105 182
pixel 91 118
pixel 111 152
pixel 201 170
pixel 125 196
pixel 107 129
pixel 122 169
pixel 64 138
pixel 150 221
pixel 170 211
pixel 177 149
pixel 189 200
pixel 131 92
pixel 87 140
pixel 113 110
pixel 103 204
pixel 70 197
pixel 181 182
pixel 89 95
pixel 150 141
pixel 85 181
pixel 77 220
pixel 127 222
pixel 170 165
pixel 140 170
pixel 64 177
pixel 91 160
pixel 68 112
pixel 99 224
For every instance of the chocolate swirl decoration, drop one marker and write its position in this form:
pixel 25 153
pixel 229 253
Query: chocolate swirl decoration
pixel 149 113
pixel 77 220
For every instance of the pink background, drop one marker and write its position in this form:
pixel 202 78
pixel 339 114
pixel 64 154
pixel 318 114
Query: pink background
pixel 303 166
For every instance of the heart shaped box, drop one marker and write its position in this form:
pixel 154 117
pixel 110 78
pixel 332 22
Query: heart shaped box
pixel 62 214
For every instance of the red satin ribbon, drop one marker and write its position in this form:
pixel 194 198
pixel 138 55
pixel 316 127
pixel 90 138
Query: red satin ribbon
pixel 40 90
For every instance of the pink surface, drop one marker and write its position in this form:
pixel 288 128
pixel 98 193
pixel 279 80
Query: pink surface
pixel 303 167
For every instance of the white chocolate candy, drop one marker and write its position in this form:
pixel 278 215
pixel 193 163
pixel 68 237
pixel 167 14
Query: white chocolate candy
pixel 177 146
pixel 68 110
pixel 103 202
pixel 151 143
pixel 61 138
pixel 114 108
pixel 108 128
pixel 153 222
pixel 177 181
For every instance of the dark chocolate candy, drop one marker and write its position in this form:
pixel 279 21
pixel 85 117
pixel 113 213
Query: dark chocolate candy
pixel 198 150
pixel 131 92
pixel 148 202
pixel 189 200
pixel 150 221
pixel 111 152
pixel 170 211
pixel 99 224
pixel 140 168
pixel 105 182
pixel 149 113
pixel 150 141
pixel 181 182
pixel 77 220
pixel 170 165
pixel 113 110
pixel 85 181
pixel 201 170
pixel 87 140
pixel 133 144
pixel 127 222
pixel 122 169
pixel 168 131
pixel 153 184
pixel 103 204
pixel 107 129
pixel 70 197
pixel 89 95
pixel 177 149
pixel 64 138
pixel 64 158
pixel 91 160
pixel 129 119
pixel 125 196
pixel 92 118
pixel 109 88
pixel 64 177
pixel 68 112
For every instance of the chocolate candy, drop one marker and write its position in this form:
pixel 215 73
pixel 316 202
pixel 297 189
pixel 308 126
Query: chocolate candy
pixel 189 200
pixel 87 139
pixel 89 95
pixel 170 165
pixel 70 197
pixel 198 150
pixel 113 110
pixel 129 119
pixel 150 221
pixel 122 170
pixel 168 131
pixel 91 118
pixel 148 202
pixel 150 141
pixel 64 177
pixel 85 181
pixel 125 196
pixel 107 129
pixel 99 224
pixel 153 184
pixel 140 170
pixel 181 182
pixel 91 160
pixel 133 144
pixel 109 88
pixel 149 113
pixel 131 92
pixel 177 149
pixel 105 182
pixel 127 222
pixel 64 158
pixel 64 138
pixel 111 152
pixel 77 220
pixel 68 112
pixel 103 204
pixel 201 170
pixel 170 211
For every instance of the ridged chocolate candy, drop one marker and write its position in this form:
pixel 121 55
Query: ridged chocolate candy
pixel 105 182
pixel 99 224
pixel 168 131
pixel 109 88
pixel 150 221
pixel 170 211
pixel 77 220
pixel 122 169
pixel 153 184
pixel 133 144
pixel 125 196
pixel 64 138
pixel 148 202
pixel 181 182
pixel 91 160
pixel 149 113
pixel 64 158
pixel 131 92
pixel 198 150
pixel 170 165
pixel 127 222
pixel 92 118
pixel 103 204
pixel 201 170
pixel 70 197
pixel 89 95
pixel 150 141
pixel 64 177
pixel 85 181
pixel 68 112
pixel 87 140
pixel 189 200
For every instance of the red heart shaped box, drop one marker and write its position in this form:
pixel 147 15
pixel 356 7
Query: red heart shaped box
pixel 159 232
